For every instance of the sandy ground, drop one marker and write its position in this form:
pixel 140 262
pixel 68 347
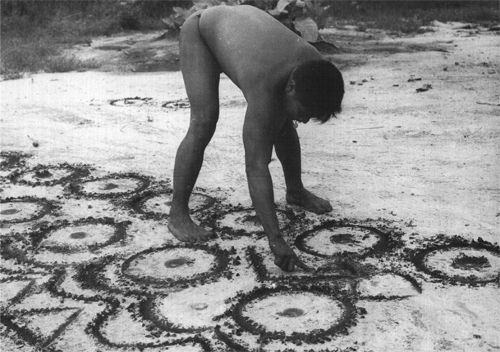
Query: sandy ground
pixel 419 164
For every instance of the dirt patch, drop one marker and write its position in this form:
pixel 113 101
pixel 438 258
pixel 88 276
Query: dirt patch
pixel 151 52
pixel 412 178
pixel 156 51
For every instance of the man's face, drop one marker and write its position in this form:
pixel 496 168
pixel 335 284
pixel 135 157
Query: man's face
pixel 296 111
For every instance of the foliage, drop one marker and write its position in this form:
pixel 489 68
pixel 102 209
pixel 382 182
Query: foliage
pixel 174 21
pixel 33 32
pixel 304 17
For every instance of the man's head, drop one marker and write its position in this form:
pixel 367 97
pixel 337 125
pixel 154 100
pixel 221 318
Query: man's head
pixel 319 87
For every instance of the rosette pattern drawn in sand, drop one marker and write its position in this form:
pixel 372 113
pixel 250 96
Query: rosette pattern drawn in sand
pixel 50 175
pixel 24 209
pixel 99 274
pixel 157 205
pixel 111 186
pixel 83 235
pixel 332 239
pixel 473 263
pixel 245 222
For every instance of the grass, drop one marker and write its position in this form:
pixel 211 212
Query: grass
pixel 409 16
pixel 34 34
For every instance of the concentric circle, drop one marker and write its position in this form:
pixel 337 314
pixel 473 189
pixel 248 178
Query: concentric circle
pixel 246 221
pixel 19 210
pixel 192 309
pixel 136 101
pixel 159 204
pixel 170 264
pixel 333 239
pixel 51 175
pixel 111 186
pixel 474 264
pixel 174 264
pixel 291 314
pixel 81 236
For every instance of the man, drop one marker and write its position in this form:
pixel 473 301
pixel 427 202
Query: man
pixel 284 80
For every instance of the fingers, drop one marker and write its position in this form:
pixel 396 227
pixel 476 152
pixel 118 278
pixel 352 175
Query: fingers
pixel 304 267
pixel 279 261
pixel 289 264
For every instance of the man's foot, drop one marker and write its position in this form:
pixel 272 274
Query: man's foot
pixel 309 201
pixel 186 230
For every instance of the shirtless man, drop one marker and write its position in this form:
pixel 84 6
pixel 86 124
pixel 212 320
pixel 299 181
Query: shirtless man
pixel 284 79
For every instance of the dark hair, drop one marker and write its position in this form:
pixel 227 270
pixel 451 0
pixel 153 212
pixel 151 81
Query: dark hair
pixel 320 88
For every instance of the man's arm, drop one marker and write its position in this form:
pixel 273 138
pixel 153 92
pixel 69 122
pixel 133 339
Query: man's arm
pixel 288 151
pixel 259 134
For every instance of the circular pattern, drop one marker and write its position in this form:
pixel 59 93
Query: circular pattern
pixel 50 175
pixel 466 264
pixel 159 204
pixel 190 310
pixel 171 264
pixel 136 101
pixel 279 312
pixel 291 314
pixel 111 186
pixel 330 240
pixel 84 235
pixel 19 210
pixel 247 222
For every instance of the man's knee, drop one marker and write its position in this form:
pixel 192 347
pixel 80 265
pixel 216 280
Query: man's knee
pixel 202 128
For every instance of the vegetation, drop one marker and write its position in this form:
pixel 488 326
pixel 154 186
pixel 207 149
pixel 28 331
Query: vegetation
pixel 35 32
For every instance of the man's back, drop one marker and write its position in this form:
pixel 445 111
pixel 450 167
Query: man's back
pixel 253 48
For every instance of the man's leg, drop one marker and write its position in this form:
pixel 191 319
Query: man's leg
pixel 201 74
pixel 287 149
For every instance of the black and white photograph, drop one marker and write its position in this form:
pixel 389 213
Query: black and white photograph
pixel 249 175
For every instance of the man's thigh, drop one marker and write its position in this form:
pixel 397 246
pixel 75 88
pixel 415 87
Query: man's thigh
pixel 200 69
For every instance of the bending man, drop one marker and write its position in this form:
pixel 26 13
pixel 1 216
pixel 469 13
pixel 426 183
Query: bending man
pixel 284 80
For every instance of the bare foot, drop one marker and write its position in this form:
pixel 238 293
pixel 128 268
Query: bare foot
pixel 309 201
pixel 186 230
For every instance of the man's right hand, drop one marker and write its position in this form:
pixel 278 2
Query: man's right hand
pixel 285 257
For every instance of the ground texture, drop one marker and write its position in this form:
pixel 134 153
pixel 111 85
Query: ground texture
pixel 406 261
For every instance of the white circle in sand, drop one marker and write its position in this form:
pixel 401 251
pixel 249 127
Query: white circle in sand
pixel 79 237
pixel 12 211
pixel 335 240
pixel 161 203
pixel 248 221
pixel 443 261
pixel 291 313
pixel 111 186
pixel 48 174
pixel 191 309
pixel 171 263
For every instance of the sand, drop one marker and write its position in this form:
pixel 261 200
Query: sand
pixel 416 166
